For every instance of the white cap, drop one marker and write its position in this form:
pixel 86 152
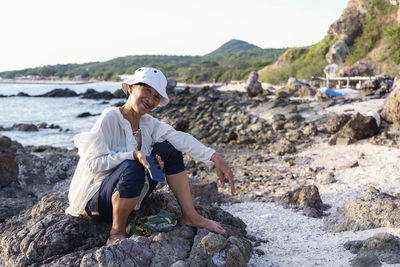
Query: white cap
pixel 153 78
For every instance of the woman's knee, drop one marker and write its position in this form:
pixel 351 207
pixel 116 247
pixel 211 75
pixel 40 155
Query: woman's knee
pixel 132 179
pixel 166 151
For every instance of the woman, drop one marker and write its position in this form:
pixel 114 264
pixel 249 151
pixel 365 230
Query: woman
pixel 110 180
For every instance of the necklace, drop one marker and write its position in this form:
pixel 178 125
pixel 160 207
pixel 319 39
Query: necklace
pixel 136 132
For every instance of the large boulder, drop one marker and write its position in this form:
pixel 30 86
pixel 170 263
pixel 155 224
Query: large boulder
pixel 253 86
pixel 391 107
pixel 382 247
pixel 93 94
pixel 8 165
pixel 357 128
pixel 337 53
pixel 373 210
pixel 360 68
pixel 350 23
pixel 45 235
pixel 60 93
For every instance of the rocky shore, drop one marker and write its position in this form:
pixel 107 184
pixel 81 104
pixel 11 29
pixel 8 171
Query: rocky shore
pixel 299 157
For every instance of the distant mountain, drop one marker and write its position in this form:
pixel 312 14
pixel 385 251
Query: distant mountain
pixel 233 46
pixel 234 60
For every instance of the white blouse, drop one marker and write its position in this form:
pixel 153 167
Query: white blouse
pixel 110 142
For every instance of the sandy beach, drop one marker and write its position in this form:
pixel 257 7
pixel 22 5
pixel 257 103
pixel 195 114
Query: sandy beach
pixel 294 239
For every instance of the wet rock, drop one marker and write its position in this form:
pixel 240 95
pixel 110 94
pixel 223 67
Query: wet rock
pixel 357 128
pixel 59 93
pixel 22 94
pixel 86 114
pixel 253 86
pixel 8 165
pixel 93 94
pixel 382 247
pixel 119 94
pixel 306 198
pixel 25 127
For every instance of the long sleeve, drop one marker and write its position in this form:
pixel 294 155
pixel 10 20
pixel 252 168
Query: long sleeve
pixel 97 145
pixel 184 142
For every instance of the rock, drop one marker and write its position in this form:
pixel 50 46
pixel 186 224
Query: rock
pixel 93 94
pixel 366 260
pixel 171 84
pixel 357 128
pixel 59 93
pixel 306 198
pixel 86 114
pixel 337 53
pixel 8 165
pixel 331 70
pixel 350 23
pixel 253 86
pixel 391 107
pixel 25 127
pixel 374 209
pixel 22 94
pixel 358 69
pixel 181 125
pixel 304 91
pixel 119 94
pixel 352 164
pixel 382 247
pixel 45 236
pixel 336 123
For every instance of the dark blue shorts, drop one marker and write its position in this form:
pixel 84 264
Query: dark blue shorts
pixel 128 179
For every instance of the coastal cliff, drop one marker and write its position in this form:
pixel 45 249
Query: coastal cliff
pixel 365 37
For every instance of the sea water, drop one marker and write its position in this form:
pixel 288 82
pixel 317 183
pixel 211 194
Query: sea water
pixel 60 111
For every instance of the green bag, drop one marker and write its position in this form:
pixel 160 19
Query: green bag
pixel 163 221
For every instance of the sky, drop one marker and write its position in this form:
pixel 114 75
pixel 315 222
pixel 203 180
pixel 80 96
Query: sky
pixel 46 32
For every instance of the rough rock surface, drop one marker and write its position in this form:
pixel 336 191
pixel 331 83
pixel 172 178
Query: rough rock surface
pixel 360 68
pixel 391 108
pixel 382 247
pixel 8 165
pixel 306 198
pixel 45 235
pixel 350 23
pixel 37 176
pixel 253 86
pixel 373 210
pixel 337 53
pixel 357 128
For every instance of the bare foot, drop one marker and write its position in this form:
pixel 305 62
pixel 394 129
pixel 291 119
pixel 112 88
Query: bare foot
pixel 200 222
pixel 115 235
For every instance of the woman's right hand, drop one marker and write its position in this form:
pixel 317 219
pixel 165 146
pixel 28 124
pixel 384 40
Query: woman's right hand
pixel 141 157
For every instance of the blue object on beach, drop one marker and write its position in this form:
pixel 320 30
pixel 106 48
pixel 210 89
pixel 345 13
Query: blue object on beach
pixel 337 93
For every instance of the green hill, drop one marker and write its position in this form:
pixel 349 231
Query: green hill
pixel 232 61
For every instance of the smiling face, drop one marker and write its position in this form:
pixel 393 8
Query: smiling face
pixel 143 98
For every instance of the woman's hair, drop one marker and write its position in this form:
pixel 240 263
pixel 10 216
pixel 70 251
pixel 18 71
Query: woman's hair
pixel 142 84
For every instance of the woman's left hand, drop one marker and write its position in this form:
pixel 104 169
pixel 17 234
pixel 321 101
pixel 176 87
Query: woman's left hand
pixel 223 170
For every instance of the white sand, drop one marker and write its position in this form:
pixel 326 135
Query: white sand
pixel 297 240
